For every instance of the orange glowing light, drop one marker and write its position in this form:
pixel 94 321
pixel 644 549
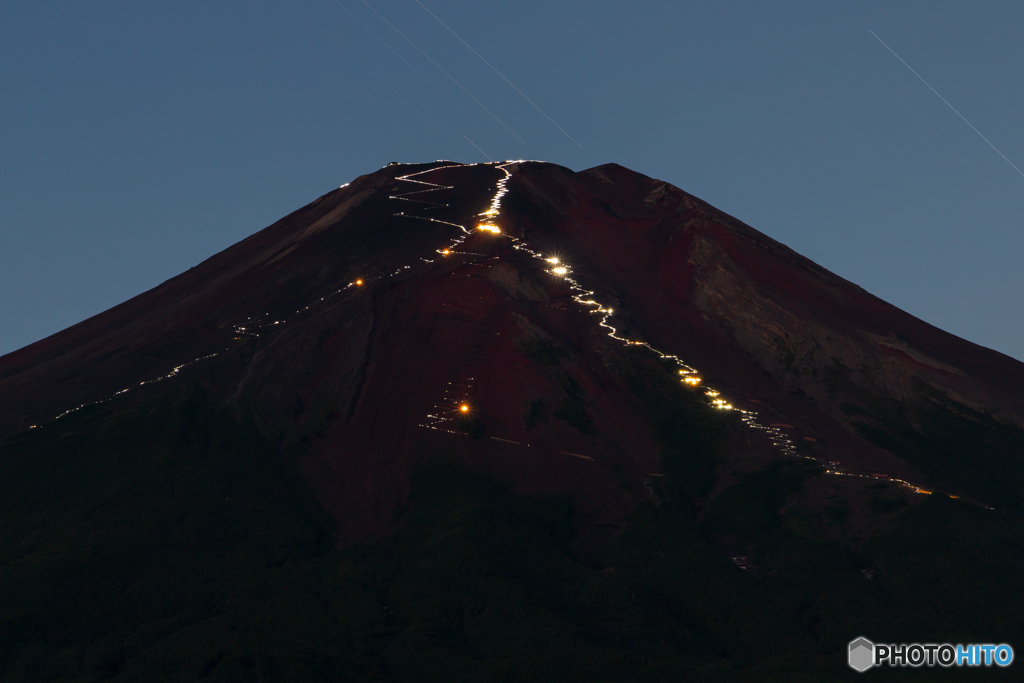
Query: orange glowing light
pixel 359 282
pixel 464 408
pixel 489 228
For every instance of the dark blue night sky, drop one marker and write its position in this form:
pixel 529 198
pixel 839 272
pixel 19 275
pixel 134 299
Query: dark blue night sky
pixel 140 138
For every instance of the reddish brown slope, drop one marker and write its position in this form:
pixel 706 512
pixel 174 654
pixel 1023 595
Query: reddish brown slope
pixel 747 310
pixel 368 378
pixel 306 255
pixel 355 372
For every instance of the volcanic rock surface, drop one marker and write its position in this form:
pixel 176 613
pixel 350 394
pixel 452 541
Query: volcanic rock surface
pixel 357 328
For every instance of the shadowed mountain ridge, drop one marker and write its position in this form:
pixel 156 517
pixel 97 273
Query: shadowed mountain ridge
pixel 503 422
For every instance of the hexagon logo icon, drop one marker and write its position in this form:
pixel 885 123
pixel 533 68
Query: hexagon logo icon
pixel 861 654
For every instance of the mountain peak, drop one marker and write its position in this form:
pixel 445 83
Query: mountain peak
pixel 504 416
pixel 370 303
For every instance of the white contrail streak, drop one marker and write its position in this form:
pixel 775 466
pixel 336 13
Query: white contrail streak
pixel 932 130
pixel 382 41
pixel 477 148
pixel 444 72
pixel 499 73
pixel 947 104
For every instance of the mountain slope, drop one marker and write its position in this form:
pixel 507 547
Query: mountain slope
pixel 276 323
pixel 529 401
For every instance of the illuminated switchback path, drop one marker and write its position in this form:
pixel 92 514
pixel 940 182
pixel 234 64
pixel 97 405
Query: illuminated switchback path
pixel 582 296
pixel 255 326
pixel 173 373
pixel 690 376
pixel 457 395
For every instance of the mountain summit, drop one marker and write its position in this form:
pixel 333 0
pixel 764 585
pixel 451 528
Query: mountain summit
pixel 595 373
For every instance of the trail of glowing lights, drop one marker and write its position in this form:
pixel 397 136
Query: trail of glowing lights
pixel 777 437
pixel 456 398
pixel 556 267
pixel 255 325
pixel 444 72
pixel 172 373
pixel 500 74
pixel 689 376
pixel 948 104
pixel 382 42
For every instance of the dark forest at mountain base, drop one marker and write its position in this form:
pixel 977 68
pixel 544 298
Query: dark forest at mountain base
pixel 170 541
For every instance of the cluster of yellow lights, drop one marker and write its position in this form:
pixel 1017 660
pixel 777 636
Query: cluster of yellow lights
pixel 359 282
pixel 690 377
pixel 559 269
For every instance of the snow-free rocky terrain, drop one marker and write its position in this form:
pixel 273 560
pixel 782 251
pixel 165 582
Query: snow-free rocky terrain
pixel 503 421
